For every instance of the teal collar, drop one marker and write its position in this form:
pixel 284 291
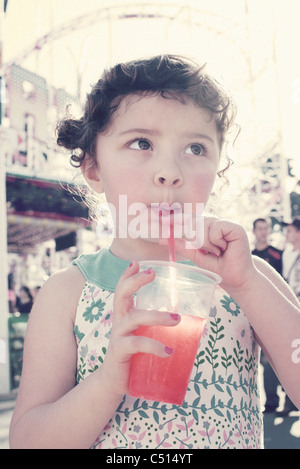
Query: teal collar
pixel 103 268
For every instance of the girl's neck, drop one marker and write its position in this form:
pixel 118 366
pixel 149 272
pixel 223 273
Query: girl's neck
pixel 139 249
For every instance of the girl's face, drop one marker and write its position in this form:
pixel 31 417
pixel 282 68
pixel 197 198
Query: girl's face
pixel 156 151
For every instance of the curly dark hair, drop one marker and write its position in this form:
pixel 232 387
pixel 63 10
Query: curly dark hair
pixel 169 76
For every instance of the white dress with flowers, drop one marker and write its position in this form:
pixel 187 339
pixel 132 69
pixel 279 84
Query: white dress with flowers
pixel 222 405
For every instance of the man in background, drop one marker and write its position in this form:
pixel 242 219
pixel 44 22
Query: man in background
pixel 272 255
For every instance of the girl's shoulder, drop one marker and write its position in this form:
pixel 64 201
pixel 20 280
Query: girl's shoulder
pixel 65 279
pixel 61 291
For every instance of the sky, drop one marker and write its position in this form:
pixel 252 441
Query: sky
pixel 251 45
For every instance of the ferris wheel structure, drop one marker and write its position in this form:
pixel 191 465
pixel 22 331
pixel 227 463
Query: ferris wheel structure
pixel 171 13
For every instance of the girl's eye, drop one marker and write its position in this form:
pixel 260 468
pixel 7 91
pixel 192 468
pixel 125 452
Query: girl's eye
pixel 196 149
pixel 140 144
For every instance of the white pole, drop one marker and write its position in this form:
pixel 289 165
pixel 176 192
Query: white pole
pixel 4 335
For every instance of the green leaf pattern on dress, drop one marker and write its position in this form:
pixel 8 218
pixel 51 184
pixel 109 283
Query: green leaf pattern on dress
pixel 222 404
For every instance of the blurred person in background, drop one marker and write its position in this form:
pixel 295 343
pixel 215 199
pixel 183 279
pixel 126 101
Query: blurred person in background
pixel 12 297
pixel 24 300
pixel 272 255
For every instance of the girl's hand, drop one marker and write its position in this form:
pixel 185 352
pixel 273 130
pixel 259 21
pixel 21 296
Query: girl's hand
pixel 123 342
pixel 225 251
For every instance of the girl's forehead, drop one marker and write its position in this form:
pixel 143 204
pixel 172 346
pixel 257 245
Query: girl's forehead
pixel 149 99
pixel 133 100
pixel 153 106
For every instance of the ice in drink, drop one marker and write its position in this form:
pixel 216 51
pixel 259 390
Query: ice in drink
pixel 166 379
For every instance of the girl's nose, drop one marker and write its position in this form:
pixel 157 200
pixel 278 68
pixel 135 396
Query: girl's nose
pixel 168 178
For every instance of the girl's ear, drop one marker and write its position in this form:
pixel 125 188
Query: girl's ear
pixel 91 174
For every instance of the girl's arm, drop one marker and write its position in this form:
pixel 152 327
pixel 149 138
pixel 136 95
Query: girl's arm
pixel 266 299
pixel 51 412
pixel 49 409
pixel 274 313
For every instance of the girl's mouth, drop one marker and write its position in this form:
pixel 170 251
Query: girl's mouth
pixel 164 210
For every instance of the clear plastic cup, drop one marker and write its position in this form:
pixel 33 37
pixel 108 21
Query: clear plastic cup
pixel 188 291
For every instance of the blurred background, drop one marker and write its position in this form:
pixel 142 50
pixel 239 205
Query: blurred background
pixel 52 51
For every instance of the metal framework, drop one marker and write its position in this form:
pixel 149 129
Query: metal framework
pixel 184 14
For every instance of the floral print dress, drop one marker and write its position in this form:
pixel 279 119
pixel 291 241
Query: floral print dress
pixel 222 405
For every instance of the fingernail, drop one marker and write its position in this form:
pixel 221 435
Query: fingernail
pixel 174 316
pixel 168 350
pixel 130 265
pixel 148 271
pixel 203 251
pixel 214 254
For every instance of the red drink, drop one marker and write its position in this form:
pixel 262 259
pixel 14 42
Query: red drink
pixel 176 287
pixel 166 379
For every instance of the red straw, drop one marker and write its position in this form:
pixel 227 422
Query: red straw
pixel 171 243
pixel 173 291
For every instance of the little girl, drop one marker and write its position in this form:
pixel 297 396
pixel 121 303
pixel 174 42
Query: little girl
pixel 152 131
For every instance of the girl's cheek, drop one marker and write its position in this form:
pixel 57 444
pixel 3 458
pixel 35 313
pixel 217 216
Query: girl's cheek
pixel 202 185
pixel 130 181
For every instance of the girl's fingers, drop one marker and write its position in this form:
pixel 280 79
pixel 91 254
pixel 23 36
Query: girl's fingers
pixel 139 344
pixel 204 234
pixel 130 281
pixel 124 343
pixel 137 318
pixel 216 239
pixel 213 241
pixel 226 235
